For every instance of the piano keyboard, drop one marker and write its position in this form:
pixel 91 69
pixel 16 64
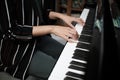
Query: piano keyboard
pixel 72 62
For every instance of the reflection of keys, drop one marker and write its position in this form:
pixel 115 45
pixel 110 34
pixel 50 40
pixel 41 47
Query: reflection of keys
pixel 68 66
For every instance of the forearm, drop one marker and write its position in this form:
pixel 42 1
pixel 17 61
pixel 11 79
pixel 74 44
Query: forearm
pixel 55 15
pixel 41 30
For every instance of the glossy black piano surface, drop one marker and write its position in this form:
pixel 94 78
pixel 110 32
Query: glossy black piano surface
pixel 111 55
pixel 104 61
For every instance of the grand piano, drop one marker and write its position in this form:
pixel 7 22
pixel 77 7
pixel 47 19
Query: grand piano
pixel 95 56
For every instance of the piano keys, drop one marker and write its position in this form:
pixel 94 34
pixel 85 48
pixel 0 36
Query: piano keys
pixel 72 62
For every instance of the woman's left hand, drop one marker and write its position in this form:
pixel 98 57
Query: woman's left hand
pixel 69 19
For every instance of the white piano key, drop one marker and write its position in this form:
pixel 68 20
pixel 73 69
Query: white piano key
pixel 76 71
pixel 77 60
pixel 83 49
pixel 84 14
pixel 79 28
pixel 74 77
pixel 84 42
pixel 87 35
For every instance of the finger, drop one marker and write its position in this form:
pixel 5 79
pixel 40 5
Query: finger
pixel 73 31
pixel 65 37
pixel 75 36
pixel 70 39
pixel 70 25
pixel 80 21
pixel 68 36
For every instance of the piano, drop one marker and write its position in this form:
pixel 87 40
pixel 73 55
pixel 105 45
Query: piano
pixel 95 56
pixel 72 62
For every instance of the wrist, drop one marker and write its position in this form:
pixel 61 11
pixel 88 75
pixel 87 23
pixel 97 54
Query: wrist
pixel 52 29
pixel 55 15
pixel 42 30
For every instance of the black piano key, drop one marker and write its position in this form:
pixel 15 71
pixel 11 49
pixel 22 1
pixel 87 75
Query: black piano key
pixel 79 76
pixel 69 78
pixel 86 31
pixel 74 23
pixel 88 27
pixel 80 53
pixel 90 18
pixel 80 58
pixel 85 38
pixel 78 63
pixel 83 45
pixel 76 68
pixel 77 50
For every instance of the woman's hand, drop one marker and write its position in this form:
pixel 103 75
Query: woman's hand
pixel 69 19
pixel 67 33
